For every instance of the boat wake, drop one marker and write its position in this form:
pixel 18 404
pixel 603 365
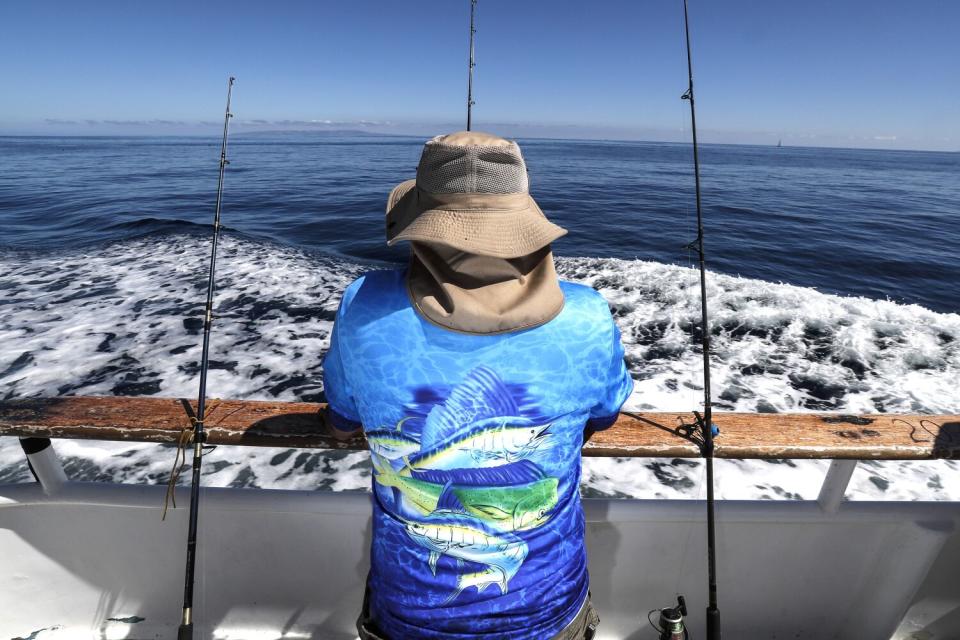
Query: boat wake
pixel 125 319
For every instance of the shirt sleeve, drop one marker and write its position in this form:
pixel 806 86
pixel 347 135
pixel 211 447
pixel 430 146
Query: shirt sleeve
pixel 341 404
pixel 617 386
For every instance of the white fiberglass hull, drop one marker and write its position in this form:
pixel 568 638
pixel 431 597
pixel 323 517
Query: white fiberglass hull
pixel 95 561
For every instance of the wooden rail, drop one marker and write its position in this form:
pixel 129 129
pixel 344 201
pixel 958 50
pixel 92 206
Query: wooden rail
pixel 648 434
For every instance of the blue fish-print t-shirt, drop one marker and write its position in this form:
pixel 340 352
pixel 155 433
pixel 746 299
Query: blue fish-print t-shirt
pixel 475 442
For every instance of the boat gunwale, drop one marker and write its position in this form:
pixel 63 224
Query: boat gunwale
pixel 663 434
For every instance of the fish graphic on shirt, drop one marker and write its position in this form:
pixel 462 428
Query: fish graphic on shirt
pixel 449 531
pixel 473 481
pixel 512 497
pixel 490 443
pixel 392 443
pixel 478 425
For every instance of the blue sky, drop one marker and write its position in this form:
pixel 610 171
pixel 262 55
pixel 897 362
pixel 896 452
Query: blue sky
pixel 880 73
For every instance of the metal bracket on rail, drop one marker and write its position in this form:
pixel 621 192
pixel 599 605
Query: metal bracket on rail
pixel 835 484
pixel 44 464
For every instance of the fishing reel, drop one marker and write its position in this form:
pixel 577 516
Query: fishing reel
pixel 670 624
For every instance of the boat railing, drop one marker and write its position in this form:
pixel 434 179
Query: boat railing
pixel 293 563
pixel 842 438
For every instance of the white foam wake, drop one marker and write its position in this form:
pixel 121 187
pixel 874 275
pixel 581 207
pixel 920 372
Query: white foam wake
pixel 124 319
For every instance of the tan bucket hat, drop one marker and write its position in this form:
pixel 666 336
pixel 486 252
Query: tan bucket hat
pixel 471 193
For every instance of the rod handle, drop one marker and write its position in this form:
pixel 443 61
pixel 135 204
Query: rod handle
pixel 185 632
pixel 713 623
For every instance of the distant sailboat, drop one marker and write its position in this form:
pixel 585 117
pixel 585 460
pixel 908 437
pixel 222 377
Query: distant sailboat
pixel 779 143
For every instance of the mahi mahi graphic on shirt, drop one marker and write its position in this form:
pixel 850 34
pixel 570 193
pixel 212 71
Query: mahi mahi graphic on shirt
pixel 465 485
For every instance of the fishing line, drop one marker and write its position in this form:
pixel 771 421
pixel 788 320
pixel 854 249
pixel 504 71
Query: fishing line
pixel 185 631
pixel 681 572
pixel 706 420
pixel 472 64
pixel 689 248
pixel 672 626
pixel 689 216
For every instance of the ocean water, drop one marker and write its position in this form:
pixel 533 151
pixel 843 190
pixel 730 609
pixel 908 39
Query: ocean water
pixel 832 286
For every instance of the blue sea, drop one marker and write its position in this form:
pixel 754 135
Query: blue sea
pixel 832 285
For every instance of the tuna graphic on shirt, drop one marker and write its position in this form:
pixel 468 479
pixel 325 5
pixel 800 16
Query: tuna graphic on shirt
pixel 391 443
pixel 450 531
pixel 466 482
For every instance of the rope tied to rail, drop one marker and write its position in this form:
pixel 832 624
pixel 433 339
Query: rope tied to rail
pixel 184 440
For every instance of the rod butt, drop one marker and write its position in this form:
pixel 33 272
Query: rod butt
pixel 185 632
pixel 713 623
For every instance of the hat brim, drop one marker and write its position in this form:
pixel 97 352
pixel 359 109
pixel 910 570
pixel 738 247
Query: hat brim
pixel 497 225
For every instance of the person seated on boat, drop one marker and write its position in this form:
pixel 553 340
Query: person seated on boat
pixel 474 372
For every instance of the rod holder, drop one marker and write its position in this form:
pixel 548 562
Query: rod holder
pixel 835 484
pixel 44 464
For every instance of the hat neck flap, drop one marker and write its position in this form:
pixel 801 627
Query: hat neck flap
pixel 476 294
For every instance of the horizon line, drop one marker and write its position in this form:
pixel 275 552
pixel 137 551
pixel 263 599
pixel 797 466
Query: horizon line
pixel 387 134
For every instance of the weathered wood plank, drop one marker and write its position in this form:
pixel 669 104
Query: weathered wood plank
pixel 649 434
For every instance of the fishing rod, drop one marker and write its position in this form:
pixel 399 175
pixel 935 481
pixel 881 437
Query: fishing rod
pixel 470 102
pixel 185 632
pixel 705 422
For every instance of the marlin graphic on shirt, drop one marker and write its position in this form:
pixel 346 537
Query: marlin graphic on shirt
pixel 490 443
pixel 464 479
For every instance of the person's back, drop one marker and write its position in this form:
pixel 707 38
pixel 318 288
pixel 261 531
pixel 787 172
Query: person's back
pixel 474 403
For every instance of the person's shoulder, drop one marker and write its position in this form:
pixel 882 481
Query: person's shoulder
pixel 582 297
pixel 585 312
pixel 372 285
